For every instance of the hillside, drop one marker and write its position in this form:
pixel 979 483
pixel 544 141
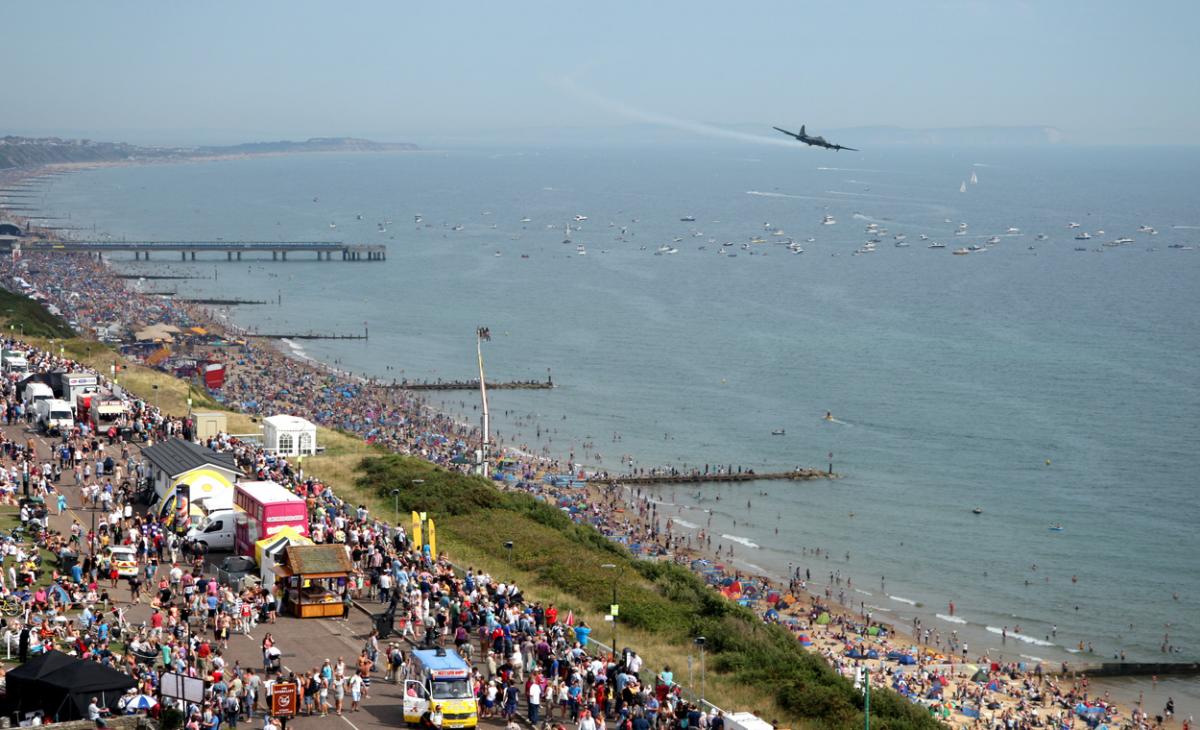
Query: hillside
pixel 17 152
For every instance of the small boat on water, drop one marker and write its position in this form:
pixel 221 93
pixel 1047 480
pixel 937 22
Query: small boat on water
pixel 1072 224
pixel 828 220
pixel 962 188
pixel 993 240
pixel 977 510
pixel 688 219
pixel 1085 236
pixel 935 244
pixel 779 432
pixel 974 178
pixel 961 252
pixel 1057 527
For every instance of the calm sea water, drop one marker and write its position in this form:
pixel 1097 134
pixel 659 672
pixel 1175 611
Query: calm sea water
pixel 1044 385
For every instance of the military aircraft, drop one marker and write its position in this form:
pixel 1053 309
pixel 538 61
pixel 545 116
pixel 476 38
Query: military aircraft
pixel 813 141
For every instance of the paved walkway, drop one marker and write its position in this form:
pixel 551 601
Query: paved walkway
pixel 305 643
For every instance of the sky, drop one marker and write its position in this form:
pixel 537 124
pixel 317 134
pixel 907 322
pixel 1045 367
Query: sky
pixel 221 72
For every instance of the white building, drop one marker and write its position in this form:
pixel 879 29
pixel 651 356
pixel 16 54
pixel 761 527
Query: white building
pixel 289 436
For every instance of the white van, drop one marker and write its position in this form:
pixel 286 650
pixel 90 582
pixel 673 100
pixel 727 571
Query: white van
pixel 54 416
pixel 35 392
pixel 216 531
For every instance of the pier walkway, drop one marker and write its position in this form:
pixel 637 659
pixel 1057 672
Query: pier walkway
pixel 701 477
pixel 233 250
pixel 472 385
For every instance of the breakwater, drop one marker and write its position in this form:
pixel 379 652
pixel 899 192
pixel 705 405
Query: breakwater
pixel 1132 669
pixel 722 476
pixel 473 385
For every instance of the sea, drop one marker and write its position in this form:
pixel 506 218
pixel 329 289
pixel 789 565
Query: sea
pixel 1045 381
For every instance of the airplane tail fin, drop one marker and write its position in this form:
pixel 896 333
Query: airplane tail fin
pixel 801 129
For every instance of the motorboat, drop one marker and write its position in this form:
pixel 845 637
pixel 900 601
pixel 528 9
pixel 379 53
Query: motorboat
pixel 935 244
pixel 1072 224
pixel 993 240
pixel 1085 236
pixel 779 432
pixel 688 219
pixel 961 252
pixel 580 218
pixel 977 511
pixel 828 220
pixel 1013 230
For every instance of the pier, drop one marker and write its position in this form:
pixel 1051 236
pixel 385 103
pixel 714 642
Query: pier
pixel 233 250
pixel 720 476
pixel 474 385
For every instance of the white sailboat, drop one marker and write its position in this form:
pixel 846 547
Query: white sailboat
pixel 963 188
pixel 974 180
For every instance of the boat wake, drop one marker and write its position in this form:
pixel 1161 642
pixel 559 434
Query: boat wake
pixel 740 540
pixel 951 619
pixel 1021 637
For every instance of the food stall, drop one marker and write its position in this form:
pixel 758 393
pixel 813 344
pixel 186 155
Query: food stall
pixel 315 577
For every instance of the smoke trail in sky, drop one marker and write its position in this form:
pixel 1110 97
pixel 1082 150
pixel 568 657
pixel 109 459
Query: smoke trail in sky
pixel 620 108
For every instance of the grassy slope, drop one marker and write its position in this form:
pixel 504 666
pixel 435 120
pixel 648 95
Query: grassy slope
pixel 663 607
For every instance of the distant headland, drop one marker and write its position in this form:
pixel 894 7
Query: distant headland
pixel 20 152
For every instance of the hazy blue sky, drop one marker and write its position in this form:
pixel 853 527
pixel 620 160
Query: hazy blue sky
pixel 213 71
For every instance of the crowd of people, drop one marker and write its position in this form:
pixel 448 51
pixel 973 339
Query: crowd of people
pixel 526 651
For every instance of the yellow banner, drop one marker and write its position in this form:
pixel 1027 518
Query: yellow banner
pixel 432 538
pixel 415 537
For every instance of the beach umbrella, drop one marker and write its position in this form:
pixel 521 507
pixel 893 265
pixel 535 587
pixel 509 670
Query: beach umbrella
pixel 138 703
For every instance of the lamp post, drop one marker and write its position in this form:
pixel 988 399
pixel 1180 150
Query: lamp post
pixel 615 608
pixel 700 641
pixel 481 334
pixel 396 501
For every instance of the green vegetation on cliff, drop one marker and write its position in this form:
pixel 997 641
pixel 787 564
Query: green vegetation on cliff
pixel 750 662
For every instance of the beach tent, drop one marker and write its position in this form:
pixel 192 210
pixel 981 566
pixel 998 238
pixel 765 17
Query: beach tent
pixel 980 676
pixel 285 435
pixel 62 686
pixel 873 631
pixel 824 619
pixel 805 640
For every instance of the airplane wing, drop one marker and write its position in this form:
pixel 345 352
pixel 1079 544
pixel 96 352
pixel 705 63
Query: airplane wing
pixel 839 147
pixel 790 134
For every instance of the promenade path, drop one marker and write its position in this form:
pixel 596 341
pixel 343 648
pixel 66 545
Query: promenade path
pixel 305 643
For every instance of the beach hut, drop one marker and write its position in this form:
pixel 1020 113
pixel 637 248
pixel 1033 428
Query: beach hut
pixel 289 435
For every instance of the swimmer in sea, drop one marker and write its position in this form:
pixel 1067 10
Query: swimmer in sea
pixel 828 415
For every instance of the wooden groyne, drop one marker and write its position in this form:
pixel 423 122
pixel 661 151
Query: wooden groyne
pixel 305 336
pixel 150 277
pixel 473 385
pixel 222 302
pixel 1131 669
pixel 701 477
